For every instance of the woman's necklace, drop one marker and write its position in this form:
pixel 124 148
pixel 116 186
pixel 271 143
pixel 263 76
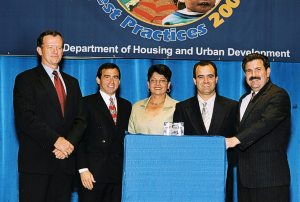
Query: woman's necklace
pixel 156 103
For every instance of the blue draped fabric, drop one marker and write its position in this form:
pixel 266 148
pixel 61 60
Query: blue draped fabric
pixel 133 88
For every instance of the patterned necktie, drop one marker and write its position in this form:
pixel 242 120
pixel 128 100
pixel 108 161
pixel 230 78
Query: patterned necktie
pixel 60 90
pixel 113 110
pixel 205 115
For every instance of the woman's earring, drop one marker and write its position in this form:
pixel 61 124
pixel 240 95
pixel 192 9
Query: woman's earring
pixel 168 90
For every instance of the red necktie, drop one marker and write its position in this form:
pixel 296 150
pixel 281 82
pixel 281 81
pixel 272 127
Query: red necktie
pixel 60 90
pixel 113 110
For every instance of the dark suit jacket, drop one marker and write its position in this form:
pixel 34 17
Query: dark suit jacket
pixel 223 118
pixel 264 133
pixel 101 150
pixel 39 121
pixel 222 123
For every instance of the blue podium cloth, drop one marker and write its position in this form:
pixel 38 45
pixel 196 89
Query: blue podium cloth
pixel 174 168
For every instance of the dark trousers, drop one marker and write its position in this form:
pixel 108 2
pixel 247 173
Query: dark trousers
pixel 102 192
pixel 232 162
pixel 264 194
pixel 45 188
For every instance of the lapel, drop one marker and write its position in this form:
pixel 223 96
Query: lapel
pixel 259 96
pixel 219 112
pixel 239 107
pixel 50 89
pixel 196 117
pixel 120 112
pixel 70 94
pixel 249 109
pixel 102 109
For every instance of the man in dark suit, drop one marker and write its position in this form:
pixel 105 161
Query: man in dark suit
pixel 262 136
pixel 49 123
pixel 208 113
pixel 221 110
pixel 100 156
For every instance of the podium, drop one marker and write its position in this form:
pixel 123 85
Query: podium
pixel 174 168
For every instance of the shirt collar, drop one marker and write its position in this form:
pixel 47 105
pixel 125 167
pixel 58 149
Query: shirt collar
pixel 209 101
pixel 106 96
pixel 50 70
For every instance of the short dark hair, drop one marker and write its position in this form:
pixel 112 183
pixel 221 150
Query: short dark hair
pixel 47 33
pixel 108 66
pixel 255 56
pixel 204 63
pixel 160 69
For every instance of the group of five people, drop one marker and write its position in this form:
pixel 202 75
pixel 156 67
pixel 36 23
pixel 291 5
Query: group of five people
pixel 58 129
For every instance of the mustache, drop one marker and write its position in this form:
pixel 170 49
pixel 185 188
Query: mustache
pixel 254 77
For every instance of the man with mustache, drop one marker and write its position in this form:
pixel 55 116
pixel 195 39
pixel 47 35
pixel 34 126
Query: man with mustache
pixel 262 136
pixel 193 10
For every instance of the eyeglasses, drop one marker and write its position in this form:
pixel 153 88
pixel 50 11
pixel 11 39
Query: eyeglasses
pixel 161 81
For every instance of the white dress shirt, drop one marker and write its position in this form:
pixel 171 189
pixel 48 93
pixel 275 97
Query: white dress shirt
pixel 244 104
pixel 50 70
pixel 106 98
pixel 209 106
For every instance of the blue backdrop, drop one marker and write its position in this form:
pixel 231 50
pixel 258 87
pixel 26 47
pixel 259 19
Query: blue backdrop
pixel 133 88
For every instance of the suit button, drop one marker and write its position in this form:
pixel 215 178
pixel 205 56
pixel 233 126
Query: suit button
pixel 103 141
